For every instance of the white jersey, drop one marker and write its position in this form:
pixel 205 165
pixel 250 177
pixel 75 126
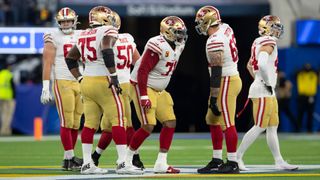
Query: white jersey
pixel 89 46
pixel 257 88
pixel 63 43
pixel 123 51
pixel 160 75
pixel 224 40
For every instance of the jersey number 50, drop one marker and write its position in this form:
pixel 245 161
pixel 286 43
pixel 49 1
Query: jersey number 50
pixel 125 56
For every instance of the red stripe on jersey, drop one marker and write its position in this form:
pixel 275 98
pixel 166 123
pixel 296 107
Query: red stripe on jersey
pixel 213 47
pixel 268 41
pixel 215 43
pixel 110 31
pixel 154 49
pixel 156 46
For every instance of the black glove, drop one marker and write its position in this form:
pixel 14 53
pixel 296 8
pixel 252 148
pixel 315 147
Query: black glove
pixel 269 88
pixel 213 106
pixel 114 82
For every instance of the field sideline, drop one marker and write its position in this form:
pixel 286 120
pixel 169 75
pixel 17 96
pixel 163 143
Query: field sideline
pixel 24 158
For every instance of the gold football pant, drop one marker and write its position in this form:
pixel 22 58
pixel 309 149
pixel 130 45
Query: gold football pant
pixel 265 111
pixel 227 99
pixel 161 106
pixel 99 99
pixel 126 105
pixel 68 102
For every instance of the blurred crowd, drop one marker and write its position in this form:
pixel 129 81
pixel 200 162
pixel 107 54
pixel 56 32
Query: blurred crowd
pixel 27 12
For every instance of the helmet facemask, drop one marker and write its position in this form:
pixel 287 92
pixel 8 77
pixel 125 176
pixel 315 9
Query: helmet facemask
pixel 271 26
pixel 67 14
pixel 174 30
pixel 206 17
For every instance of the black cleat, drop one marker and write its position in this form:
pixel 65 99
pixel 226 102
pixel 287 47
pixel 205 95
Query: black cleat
pixel 211 167
pixel 72 164
pixel 95 157
pixel 231 167
pixel 137 162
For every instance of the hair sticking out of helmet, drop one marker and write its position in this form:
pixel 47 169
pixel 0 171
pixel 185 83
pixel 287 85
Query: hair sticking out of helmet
pixel 270 26
pixel 67 14
pixel 174 30
pixel 206 16
pixel 100 16
pixel 117 20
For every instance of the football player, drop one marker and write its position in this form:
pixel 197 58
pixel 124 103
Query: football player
pixel 225 85
pixel 100 88
pixel 66 88
pixel 149 79
pixel 126 54
pixel 263 67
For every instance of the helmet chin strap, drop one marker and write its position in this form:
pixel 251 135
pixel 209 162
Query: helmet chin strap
pixel 67 31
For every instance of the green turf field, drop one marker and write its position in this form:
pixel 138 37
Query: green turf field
pixel 25 157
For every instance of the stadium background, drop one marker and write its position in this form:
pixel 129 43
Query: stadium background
pixel 190 83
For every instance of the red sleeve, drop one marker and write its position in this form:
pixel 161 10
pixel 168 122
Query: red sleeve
pixel 148 62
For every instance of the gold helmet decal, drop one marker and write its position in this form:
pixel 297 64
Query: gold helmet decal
pixel 117 23
pixel 270 26
pixel 101 15
pixel 67 14
pixel 206 16
pixel 173 29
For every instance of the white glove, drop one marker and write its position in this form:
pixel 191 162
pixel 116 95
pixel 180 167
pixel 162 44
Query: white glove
pixel 45 95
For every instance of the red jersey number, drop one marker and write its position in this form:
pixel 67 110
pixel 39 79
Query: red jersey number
pixel 233 49
pixel 172 66
pixel 86 44
pixel 124 54
pixel 66 49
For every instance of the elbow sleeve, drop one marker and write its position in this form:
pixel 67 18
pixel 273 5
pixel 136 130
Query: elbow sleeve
pixel 71 63
pixel 215 78
pixel 108 57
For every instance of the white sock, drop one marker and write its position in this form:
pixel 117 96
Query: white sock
pixel 162 158
pixel 232 156
pixel 217 154
pixel 86 152
pixel 129 156
pixel 99 150
pixel 68 154
pixel 248 139
pixel 121 150
pixel 273 143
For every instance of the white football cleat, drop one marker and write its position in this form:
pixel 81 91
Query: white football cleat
pixel 164 168
pixel 90 168
pixel 124 168
pixel 241 165
pixel 283 165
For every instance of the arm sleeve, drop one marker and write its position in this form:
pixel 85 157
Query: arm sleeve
pixel 148 62
pixel 263 65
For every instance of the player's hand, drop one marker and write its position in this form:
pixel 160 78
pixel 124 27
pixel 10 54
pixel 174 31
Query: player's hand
pixel 145 102
pixel 46 95
pixel 115 83
pixel 269 88
pixel 213 106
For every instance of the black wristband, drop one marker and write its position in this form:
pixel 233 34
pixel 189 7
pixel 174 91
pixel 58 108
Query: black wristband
pixel 71 63
pixel 108 57
pixel 215 78
pixel 213 100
